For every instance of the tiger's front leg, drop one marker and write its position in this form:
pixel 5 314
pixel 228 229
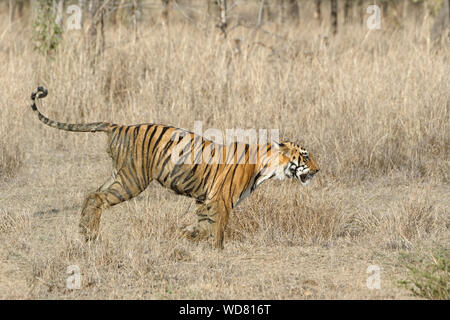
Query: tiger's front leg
pixel 203 229
pixel 223 213
pixel 212 220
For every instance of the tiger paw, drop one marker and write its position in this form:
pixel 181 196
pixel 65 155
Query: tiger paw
pixel 190 232
pixel 88 234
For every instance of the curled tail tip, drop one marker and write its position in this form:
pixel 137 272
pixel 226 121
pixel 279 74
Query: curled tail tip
pixel 40 91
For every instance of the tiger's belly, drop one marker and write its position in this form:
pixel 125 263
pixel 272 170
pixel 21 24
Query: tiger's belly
pixel 243 196
pixel 184 180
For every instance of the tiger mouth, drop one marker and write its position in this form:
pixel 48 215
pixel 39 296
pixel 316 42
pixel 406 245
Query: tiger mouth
pixel 304 177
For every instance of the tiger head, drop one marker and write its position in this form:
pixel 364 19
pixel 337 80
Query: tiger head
pixel 297 162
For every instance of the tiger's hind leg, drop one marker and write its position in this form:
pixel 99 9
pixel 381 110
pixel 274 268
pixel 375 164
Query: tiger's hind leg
pixel 121 187
pixel 92 207
pixel 109 182
pixel 90 215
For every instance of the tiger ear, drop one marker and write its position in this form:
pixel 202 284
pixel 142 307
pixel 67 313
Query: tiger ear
pixel 285 148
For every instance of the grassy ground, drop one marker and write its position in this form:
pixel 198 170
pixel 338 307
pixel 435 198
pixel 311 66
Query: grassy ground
pixel 373 107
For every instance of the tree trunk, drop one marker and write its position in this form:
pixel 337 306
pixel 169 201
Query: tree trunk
pixel 385 8
pixel 361 11
pixel 60 14
pixel 117 17
pixel 281 12
pixel 167 9
pixel 268 14
pixel 15 6
pixel 348 11
pixel 405 10
pixel 260 14
pixel 34 8
pixel 334 18
pixel 11 11
pixel 137 12
pixel 223 17
pixel 317 12
pixel 213 9
pixel 441 23
pixel 95 37
pixel 293 11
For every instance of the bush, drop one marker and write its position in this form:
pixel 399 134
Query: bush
pixel 429 278
pixel 46 32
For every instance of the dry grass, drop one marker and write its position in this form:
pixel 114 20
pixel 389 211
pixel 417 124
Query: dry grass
pixel 11 159
pixel 372 107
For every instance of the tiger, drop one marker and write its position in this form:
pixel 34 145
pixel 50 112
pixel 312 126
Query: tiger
pixel 145 152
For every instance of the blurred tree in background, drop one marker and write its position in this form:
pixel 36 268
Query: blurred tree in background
pixel 46 31
pixel 48 16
